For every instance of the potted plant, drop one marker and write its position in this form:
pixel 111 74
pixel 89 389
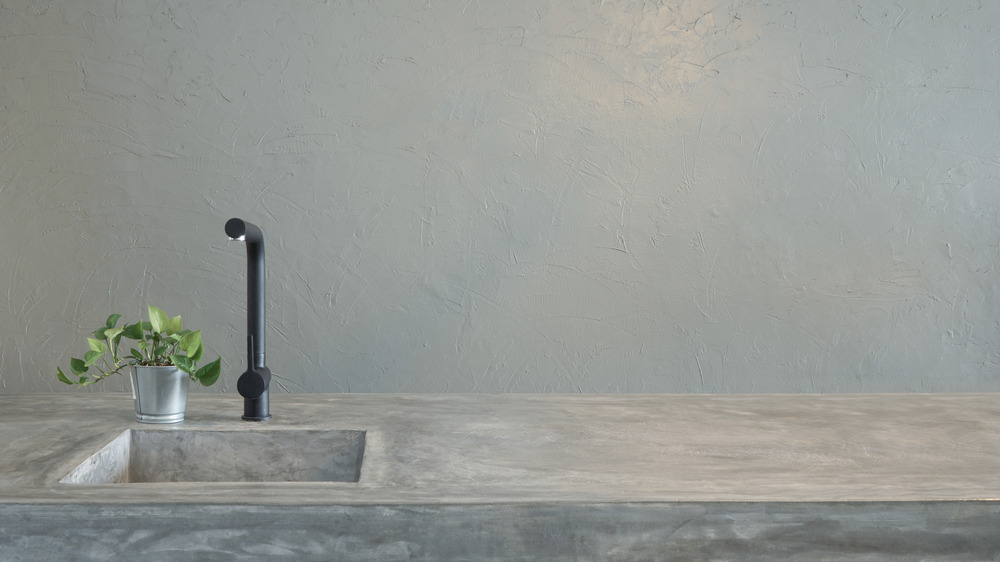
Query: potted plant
pixel 163 360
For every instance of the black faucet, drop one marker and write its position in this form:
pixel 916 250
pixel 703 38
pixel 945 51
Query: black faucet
pixel 253 384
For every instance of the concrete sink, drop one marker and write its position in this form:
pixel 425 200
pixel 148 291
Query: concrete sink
pixel 146 456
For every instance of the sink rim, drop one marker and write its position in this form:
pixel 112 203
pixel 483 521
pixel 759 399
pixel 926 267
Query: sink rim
pixel 126 458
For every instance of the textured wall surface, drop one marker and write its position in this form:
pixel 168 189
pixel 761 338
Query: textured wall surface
pixel 517 196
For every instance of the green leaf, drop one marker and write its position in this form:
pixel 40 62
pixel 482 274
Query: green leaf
pixel 133 331
pixel 183 363
pixel 208 374
pixel 158 319
pixel 112 333
pixel 97 345
pixel 175 325
pixel 62 376
pixel 91 357
pixel 84 381
pixel 99 333
pixel 160 351
pixel 112 320
pixel 191 343
pixel 78 366
pixel 143 344
pixel 136 353
pixel 197 355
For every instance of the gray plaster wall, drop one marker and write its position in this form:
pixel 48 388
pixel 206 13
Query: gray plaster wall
pixel 517 196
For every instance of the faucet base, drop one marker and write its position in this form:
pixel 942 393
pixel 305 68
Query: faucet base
pixel 256 409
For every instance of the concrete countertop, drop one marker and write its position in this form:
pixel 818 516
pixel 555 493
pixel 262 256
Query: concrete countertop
pixel 522 449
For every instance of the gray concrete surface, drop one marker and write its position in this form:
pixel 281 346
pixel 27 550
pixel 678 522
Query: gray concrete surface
pixel 535 477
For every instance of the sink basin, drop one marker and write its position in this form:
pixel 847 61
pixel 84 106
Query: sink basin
pixel 140 456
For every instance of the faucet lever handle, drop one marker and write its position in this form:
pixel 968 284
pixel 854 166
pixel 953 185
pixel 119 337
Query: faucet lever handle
pixel 254 382
pixel 250 352
pixel 257 378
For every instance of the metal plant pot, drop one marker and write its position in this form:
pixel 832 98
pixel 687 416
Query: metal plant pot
pixel 160 393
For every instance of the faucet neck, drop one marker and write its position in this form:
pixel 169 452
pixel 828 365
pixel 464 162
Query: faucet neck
pixel 256 342
pixel 238 229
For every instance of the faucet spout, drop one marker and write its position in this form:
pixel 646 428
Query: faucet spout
pixel 255 382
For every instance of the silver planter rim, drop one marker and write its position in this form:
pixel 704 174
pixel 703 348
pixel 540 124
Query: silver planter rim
pixel 159 393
